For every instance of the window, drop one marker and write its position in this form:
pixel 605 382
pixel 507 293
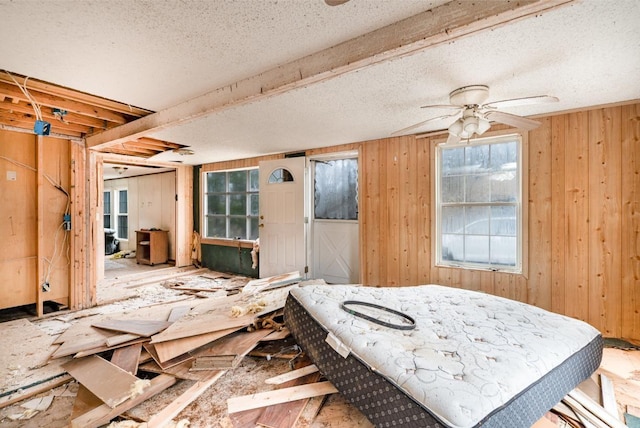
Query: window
pixel 231 204
pixel 122 214
pixel 107 210
pixel 478 204
pixel 336 189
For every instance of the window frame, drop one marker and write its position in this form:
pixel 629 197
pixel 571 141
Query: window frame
pixel 247 242
pixel 118 213
pixel 521 267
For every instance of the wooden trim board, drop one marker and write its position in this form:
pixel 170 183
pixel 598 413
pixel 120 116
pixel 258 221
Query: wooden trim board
pixel 105 380
pixel 174 348
pixel 263 399
pixel 127 358
pixel 286 377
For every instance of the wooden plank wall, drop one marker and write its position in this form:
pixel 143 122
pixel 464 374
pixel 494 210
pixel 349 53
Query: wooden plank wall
pixel 22 248
pixel 583 217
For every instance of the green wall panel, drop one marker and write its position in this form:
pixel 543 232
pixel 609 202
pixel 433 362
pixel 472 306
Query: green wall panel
pixel 228 259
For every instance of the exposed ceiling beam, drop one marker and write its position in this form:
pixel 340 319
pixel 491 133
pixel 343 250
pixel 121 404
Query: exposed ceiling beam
pixel 439 25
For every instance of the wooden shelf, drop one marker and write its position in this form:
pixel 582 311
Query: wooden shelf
pixel 152 247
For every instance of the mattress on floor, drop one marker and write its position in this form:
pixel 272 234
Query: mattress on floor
pixel 472 359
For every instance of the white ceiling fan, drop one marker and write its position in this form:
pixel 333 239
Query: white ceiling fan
pixel 474 117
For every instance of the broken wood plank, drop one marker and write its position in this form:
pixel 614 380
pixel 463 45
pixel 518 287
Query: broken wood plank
pixel 264 284
pixel 92 339
pixel 178 312
pixel 145 328
pixel 105 380
pixel 181 371
pixel 285 415
pixel 294 374
pixel 103 414
pixel 127 358
pixel 228 351
pixel 120 339
pixel 104 348
pixel 174 348
pixel 278 335
pixel 23 394
pixel 216 314
pixel 176 406
pixel 164 365
pixel 263 399
pixel 85 402
pixel 582 402
pixel 609 396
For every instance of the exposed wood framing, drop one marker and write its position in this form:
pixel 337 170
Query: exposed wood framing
pixel 442 24
pixel 40 226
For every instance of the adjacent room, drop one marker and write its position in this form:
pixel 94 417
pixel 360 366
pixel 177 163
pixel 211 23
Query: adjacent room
pixel 264 213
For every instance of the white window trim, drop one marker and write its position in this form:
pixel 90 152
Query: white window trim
pixel 203 214
pixel 523 219
pixel 117 213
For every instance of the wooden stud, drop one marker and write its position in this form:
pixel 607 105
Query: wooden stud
pixel 263 399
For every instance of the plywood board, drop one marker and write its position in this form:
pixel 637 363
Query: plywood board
pixel 263 399
pixel 216 314
pixel 103 414
pixel 171 349
pixel 146 328
pixel 105 380
pixel 228 351
pixel 151 349
pixel 286 414
pixel 294 374
pixel 127 358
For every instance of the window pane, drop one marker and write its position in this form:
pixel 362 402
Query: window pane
pixel 254 178
pixel 122 201
pixel 477 188
pixel 254 204
pixel 107 202
pixel 238 181
pixel 123 227
pixel 238 204
pixel 107 222
pixel 477 220
pixel 503 250
pixel 336 189
pixel 237 227
pixel 503 221
pixel 453 247
pixel 476 249
pixel 452 219
pixel 477 159
pixel 453 161
pixel 280 175
pixel 216 182
pixel 452 189
pixel 216 227
pixel 254 228
pixel 216 204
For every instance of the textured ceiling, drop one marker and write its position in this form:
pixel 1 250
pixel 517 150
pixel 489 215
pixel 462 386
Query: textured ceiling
pixel 157 54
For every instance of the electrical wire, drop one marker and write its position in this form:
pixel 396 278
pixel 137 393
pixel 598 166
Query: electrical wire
pixel 25 91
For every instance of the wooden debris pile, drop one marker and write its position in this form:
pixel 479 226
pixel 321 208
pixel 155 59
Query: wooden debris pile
pixel 122 359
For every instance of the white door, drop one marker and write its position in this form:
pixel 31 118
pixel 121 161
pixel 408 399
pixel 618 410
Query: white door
pixel 282 217
pixel 334 225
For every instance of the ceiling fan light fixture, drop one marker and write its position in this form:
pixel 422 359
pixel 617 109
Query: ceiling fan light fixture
pixel 470 125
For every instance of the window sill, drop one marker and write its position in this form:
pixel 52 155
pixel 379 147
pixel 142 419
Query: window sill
pixel 236 243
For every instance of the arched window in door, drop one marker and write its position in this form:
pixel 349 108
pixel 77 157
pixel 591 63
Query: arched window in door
pixel 280 175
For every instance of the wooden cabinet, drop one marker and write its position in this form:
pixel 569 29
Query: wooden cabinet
pixel 152 247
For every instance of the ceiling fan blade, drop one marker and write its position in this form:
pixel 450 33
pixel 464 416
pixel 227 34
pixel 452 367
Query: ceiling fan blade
pixel 512 120
pixel 448 106
pixel 335 2
pixel 453 139
pixel 423 123
pixel 540 99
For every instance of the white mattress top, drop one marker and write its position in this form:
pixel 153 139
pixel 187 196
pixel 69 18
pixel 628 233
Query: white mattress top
pixel 469 354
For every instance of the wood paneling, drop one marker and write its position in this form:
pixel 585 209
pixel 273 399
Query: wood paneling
pixel 35 247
